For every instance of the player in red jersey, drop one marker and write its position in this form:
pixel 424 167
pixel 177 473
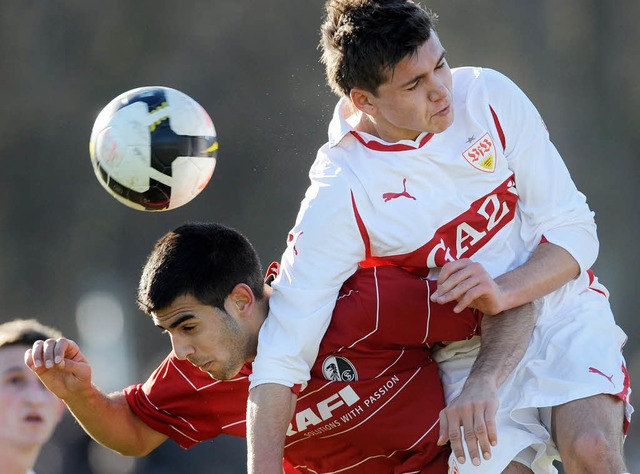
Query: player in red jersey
pixel 372 403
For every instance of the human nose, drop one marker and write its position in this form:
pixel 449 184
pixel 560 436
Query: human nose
pixel 37 393
pixel 181 348
pixel 437 91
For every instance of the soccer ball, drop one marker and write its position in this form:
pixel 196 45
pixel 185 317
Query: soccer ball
pixel 153 148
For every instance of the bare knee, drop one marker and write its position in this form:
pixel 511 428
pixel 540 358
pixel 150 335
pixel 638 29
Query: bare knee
pixel 587 443
pixel 589 451
pixel 589 435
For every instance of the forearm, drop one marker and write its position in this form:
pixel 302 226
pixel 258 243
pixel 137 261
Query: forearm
pixel 548 268
pixel 505 338
pixel 109 420
pixel 269 411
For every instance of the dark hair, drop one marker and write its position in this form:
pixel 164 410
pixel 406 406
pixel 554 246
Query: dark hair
pixel 204 260
pixel 364 40
pixel 25 332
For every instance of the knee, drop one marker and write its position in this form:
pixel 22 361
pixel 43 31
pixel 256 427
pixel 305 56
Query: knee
pixel 590 448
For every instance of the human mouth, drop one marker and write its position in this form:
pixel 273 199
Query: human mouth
pixel 204 366
pixel 444 111
pixel 33 418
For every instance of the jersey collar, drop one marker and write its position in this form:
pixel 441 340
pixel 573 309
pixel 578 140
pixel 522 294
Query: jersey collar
pixel 344 120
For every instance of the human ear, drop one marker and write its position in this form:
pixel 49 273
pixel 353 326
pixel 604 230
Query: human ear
pixel 362 100
pixel 241 297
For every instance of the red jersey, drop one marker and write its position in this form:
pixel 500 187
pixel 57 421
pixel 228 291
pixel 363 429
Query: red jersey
pixel 373 400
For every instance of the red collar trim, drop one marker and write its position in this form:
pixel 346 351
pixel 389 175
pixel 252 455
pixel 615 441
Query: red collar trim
pixel 379 146
pixel 272 272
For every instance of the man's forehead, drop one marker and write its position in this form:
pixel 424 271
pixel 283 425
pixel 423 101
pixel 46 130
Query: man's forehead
pixel 12 357
pixel 169 319
pixel 430 51
pixel 429 54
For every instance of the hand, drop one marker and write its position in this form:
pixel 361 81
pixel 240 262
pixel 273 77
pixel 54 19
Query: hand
pixel 475 411
pixel 61 367
pixel 470 285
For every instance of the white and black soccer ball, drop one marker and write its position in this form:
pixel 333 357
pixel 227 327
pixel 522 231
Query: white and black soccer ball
pixel 153 148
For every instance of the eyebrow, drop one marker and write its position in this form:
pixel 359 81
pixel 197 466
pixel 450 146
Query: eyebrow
pixel 177 322
pixel 420 76
pixel 15 368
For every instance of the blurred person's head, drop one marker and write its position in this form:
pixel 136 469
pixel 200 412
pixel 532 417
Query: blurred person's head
pixel 29 413
pixel 203 284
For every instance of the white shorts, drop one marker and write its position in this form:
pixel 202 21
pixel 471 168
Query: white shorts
pixel 573 354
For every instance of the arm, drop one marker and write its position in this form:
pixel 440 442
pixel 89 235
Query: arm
pixel 108 419
pixel 269 412
pixel 503 341
pixel 549 267
pixel 505 338
pixel 318 259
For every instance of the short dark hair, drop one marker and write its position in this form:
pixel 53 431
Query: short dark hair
pixel 25 332
pixel 203 260
pixel 364 40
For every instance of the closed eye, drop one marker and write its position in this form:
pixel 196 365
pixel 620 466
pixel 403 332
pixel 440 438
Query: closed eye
pixel 442 62
pixel 414 86
pixel 17 380
pixel 185 328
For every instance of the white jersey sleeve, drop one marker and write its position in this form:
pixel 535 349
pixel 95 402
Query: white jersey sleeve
pixel 323 250
pixel 551 206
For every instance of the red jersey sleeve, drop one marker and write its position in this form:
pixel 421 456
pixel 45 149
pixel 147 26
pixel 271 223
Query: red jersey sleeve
pixel 187 405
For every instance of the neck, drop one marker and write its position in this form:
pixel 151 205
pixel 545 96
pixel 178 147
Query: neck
pixel 259 314
pixel 262 307
pixel 17 461
pixel 368 124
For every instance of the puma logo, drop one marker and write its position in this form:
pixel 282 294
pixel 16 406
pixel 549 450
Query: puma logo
pixel 389 196
pixel 608 377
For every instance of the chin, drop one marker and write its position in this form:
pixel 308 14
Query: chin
pixel 448 121
pixel 220 376
pixel 214 376
pixel 439 126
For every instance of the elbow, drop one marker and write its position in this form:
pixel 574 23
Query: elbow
pixel 131 449
pixel 142 452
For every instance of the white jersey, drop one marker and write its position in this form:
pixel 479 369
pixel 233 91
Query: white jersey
pixel 491 188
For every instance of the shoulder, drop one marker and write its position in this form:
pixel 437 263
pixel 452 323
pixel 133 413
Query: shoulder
pixel 174 373
pixel 479 80
pixel 478 90
pixel 327 162
pixel 330 173
pixel 478 74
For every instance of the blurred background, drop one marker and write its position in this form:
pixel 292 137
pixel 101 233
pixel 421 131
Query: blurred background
pixel 70 254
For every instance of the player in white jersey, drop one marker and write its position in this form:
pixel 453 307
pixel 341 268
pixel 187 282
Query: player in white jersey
pixel 450 174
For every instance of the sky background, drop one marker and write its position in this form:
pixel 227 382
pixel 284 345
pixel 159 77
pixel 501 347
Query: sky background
pixel 71 255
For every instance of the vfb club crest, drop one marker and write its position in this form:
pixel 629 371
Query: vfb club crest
pixel 482 154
